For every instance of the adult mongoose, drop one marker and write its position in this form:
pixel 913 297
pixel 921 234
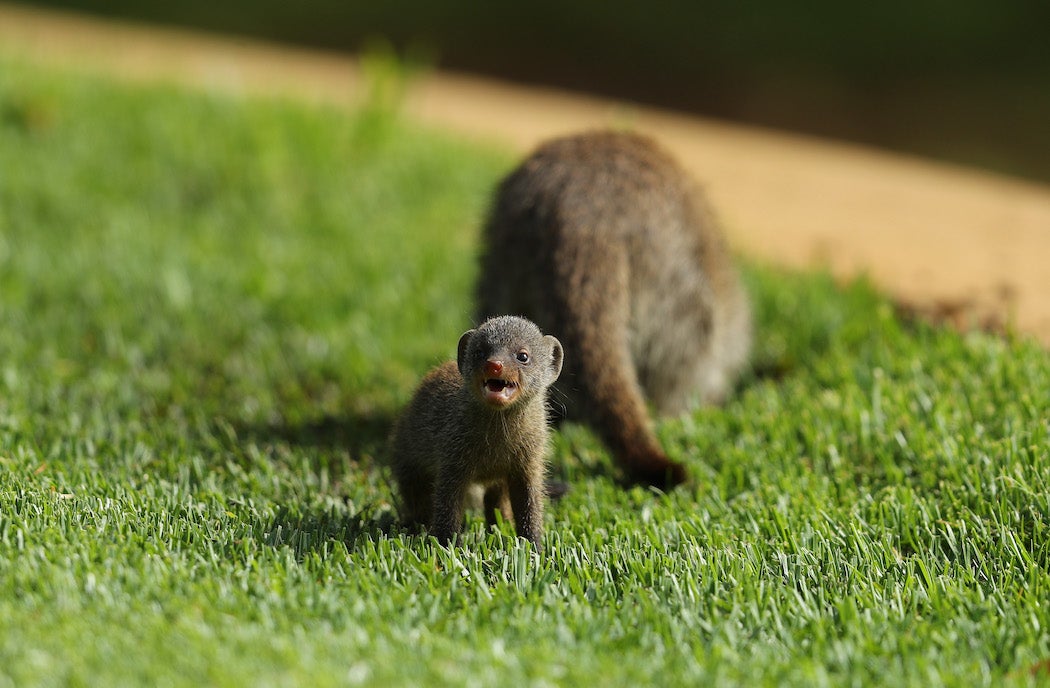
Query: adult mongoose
pixel 603 238
pixel 481 420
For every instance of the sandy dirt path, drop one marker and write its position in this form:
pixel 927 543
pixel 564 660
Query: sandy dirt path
pixel 946 240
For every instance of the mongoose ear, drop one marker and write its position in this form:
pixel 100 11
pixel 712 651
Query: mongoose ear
pixel 557 355
pixel 461 351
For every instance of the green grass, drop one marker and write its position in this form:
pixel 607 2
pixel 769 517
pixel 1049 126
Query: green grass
pixel 211 308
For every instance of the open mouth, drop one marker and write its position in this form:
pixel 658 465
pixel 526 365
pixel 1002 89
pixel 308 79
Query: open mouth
pixel 498 392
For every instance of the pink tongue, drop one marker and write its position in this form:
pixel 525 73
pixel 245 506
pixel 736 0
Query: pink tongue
pixel 497 389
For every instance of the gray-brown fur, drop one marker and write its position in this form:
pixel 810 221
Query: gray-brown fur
pixel 603 238
pixel 459 430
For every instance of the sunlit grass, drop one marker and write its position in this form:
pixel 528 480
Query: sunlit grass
pixel 211 308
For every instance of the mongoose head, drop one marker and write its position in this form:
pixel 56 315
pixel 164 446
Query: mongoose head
pixel 507 361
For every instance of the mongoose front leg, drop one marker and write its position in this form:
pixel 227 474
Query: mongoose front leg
pixel 417 499
pixel 526 500
pixel 447 513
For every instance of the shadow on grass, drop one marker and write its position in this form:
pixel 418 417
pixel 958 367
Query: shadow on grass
pixel 337 446
pixel 358 434
pixel 315 531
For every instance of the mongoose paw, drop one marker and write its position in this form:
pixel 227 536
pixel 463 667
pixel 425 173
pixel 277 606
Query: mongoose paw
pixel 664 474
pixel 447 538
pixel 413 526
pixel 556 489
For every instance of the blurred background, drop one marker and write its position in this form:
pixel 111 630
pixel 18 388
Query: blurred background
pixel 965 81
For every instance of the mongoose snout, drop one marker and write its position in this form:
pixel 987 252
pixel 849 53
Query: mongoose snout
pixel 498 388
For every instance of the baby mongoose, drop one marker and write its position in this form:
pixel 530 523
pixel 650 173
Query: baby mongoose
pixel 604 239
pixel 481 420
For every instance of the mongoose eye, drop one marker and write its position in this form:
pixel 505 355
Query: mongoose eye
pixel 522 356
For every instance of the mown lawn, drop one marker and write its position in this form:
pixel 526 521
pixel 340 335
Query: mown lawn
pixel 210 310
